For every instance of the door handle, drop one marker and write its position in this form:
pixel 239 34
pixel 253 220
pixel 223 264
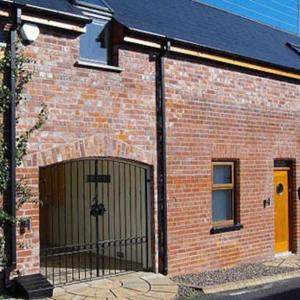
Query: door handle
pixel 98 209
pixel 267 202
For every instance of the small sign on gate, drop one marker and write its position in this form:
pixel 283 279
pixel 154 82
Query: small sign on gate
pixel 98 178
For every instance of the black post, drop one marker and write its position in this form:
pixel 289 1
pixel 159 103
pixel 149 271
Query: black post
pixel 162 160
pixel 10 230
pixel 12 145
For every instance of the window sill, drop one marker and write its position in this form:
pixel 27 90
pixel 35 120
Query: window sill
pixel 224 229
pixel 96 65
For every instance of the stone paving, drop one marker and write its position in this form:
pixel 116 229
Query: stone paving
pixel 132 286
pixel 287 261
pixel 150 286
pixel 282 261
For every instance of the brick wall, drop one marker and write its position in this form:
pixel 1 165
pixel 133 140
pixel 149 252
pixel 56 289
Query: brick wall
pixel 91 113
pixel 212 113
pixel 218 113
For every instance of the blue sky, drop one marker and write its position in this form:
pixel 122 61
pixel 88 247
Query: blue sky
pixel 282 14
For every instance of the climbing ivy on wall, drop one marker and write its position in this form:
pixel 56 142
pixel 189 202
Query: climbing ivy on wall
pixel 23 75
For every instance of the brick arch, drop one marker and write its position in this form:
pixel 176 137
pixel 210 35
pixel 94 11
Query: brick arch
pixel 96 145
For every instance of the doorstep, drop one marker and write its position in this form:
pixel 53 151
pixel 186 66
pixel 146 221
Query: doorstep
pixel 283 254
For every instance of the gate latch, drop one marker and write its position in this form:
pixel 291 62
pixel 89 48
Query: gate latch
pixel 98 209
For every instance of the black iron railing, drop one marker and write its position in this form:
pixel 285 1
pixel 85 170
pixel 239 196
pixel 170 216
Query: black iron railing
pixel 95 219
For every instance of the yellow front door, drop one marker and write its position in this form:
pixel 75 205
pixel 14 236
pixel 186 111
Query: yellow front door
pixel 281 202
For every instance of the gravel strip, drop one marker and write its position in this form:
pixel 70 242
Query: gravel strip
pixel 243 272
pixel 185 293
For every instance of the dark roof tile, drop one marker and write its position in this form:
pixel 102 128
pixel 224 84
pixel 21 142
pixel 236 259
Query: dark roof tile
pixel 203 25
pixel 62 7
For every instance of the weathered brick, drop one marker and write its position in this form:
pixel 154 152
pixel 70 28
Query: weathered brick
pixel 213 112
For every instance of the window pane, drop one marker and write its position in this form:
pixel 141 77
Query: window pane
pixel 90 45
pixel 222 205
pixel 222 174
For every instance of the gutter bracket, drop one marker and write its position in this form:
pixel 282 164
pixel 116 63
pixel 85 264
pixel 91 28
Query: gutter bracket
pixel 166 47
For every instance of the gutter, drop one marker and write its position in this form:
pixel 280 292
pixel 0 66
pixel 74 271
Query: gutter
pixel 11 120
pixel 48 19
pixel 203 47
pixel 200 53
pixel 56 13
pixel 188 48
pixel 162 159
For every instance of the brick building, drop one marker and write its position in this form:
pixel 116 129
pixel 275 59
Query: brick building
pixel 172 141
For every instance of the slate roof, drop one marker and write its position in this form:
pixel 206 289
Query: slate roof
pixel 194 23
pixel 58 7
pixel 199 24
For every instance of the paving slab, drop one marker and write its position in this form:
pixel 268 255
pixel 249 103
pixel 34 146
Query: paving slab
pixel 290 261
pixel 131 286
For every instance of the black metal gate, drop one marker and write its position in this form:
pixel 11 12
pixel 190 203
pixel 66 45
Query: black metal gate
pixel 95 219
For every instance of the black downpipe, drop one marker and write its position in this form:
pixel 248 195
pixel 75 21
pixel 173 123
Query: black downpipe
pixel 10 232
pixel 162 160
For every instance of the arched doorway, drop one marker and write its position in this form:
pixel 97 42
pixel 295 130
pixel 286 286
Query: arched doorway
pixel 95 218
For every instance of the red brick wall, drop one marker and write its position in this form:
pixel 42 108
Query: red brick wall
pixel 216 113
pixel 212 113
pixel 91 113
